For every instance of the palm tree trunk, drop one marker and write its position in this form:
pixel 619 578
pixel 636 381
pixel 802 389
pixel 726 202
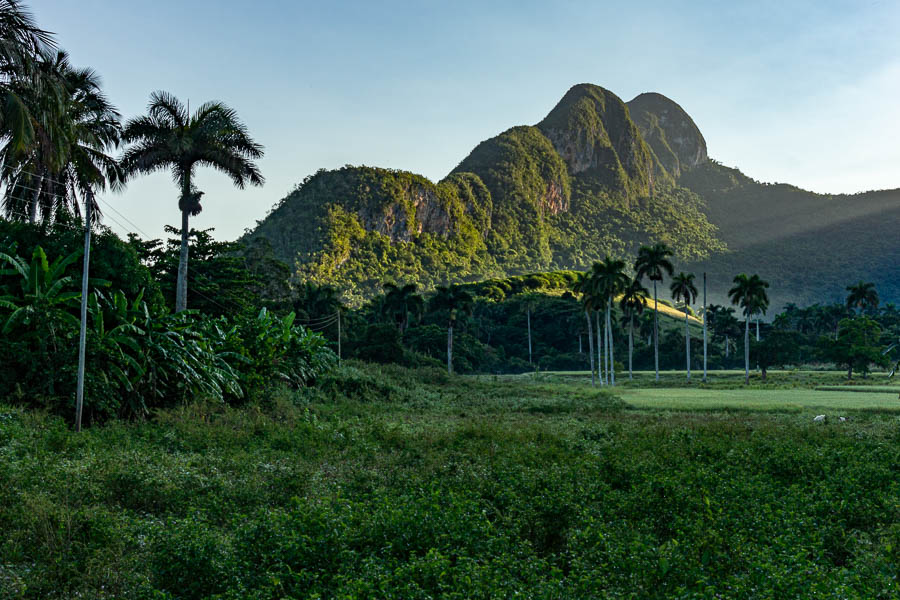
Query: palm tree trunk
pixel 587 315
pixel 35 198
pixel 687 344
pixel 630 346
pixel 757 329
pixel 655 331
pixel 528 314
pixel 727 346
pixel 747 350
pixel 450 348
pixel 612 362
pixel 181 282
pixel 82 336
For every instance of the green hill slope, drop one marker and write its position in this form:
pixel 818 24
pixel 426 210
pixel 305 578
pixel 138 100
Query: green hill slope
pixel 809 246
pixel 580 184
pixel 596 176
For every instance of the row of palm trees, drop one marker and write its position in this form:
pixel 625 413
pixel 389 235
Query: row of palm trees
pixel 59 133
pixel 608 280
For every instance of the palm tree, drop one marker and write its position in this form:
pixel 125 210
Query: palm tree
pixel 609 280
pixel 683 288
pixel 456 301
pixel 653 262
pixel 632 303
pixel 399 302
pixel 21 40
pixel 169 138
pixel 583 286
pixel 750 294
pixel 863 296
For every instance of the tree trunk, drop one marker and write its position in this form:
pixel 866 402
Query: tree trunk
pixel 612 362
pixel 580 351
pixel 655 331
pixel 35 198
pixel 339 333
pixel 181 287
pixel 704 328
pixel 82 336
pixel 528 314
pixel 450 348
pixel 587 316
pixel 630 346
pixel 757 329
pixel 850 372
pixel 687 344
pixel 747 350
pixel 727 346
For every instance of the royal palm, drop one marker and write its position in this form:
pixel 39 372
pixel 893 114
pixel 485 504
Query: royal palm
pixel 862 296
pixel 632 303
pixel 169 138
pixel 456 301
pixel 608 280
pixel 653 262
pixel 749 292
pixel 683 288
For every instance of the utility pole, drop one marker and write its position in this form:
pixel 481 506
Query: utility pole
pixel 528 313
pixel 82 339
pixel 704 327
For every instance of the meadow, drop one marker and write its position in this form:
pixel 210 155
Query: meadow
pixel 384 482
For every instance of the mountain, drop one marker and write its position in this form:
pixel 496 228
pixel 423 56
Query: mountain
pixel 596 176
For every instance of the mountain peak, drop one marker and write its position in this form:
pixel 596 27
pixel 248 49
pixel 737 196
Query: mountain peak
pixel 670 131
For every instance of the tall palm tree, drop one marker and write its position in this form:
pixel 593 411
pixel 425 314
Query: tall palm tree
pixel 21 40
pixel 683 288
pixel 169 138
pixel 582 286
pixel 862 296
pixel 653 262
pixel 75 163
pixel 750 294
pixel 609 280
pixel 632 303
pixel 400 302
pixel 456 301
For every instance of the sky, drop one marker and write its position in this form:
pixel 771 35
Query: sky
pixel 788 91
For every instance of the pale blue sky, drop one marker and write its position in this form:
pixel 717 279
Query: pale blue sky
pixel 802 92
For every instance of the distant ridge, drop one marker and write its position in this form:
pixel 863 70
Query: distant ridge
pixel 595 176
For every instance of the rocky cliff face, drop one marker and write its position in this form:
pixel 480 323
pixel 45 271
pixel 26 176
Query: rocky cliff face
pixel 593 132
pixel 670 131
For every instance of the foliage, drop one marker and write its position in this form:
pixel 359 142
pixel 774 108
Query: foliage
pixel 390 483
pixel 856 347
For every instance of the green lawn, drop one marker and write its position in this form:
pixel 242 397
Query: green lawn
pixel 756 399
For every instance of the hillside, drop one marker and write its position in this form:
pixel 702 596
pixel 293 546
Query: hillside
pixel 809 246
pixel 596 176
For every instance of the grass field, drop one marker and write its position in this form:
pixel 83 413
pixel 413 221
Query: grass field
pixel 389 483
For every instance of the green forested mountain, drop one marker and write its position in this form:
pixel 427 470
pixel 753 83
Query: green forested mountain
pixel 597 175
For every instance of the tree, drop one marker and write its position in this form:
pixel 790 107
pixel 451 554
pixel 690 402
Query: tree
pixel 400 302
pixel 583 286
pixel 857 346
pixel 779 348
pixel 750 294
pixel 22 83
pixel 863 296
pixel 608 279
pixel 683 288
pixel 632 303
pixel 169 138
pixel 456 301
pixel 653 262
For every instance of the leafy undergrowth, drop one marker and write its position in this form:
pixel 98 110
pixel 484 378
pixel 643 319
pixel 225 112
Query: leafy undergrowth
pixel 388 483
